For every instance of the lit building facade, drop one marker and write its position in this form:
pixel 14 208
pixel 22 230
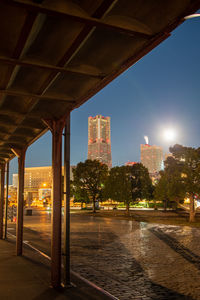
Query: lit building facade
pixel 38 177
pixel 38 185
pixel 15 180
pixel 99 142
pixel 152 158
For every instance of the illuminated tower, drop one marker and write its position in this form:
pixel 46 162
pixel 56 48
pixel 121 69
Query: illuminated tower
pixel 99 144
pixel 152 158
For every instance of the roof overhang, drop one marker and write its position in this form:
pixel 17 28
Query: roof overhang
pixel 56 54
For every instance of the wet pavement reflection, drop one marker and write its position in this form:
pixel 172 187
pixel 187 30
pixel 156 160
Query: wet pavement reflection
pixel 129 259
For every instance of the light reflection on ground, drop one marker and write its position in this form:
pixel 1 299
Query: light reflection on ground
pixel 131 259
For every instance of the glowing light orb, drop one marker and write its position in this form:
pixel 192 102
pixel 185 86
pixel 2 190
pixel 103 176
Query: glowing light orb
pixel 169 134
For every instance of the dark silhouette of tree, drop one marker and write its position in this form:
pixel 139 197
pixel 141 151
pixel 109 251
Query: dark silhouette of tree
pixel 141 183
pixel 79 194
pixel 118 185
pixel 170 187
pixel 186 162
pixel 89 179
pixel 128 184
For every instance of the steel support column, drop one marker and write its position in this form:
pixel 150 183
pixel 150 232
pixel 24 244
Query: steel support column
pixel 2 166
pixel 56 127
pixel 20 153
pixel 67 202
pixel 6 203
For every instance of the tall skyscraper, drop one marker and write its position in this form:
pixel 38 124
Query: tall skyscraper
pixel 99 143
pixel 152 158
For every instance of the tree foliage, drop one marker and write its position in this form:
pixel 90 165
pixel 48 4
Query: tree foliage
pixel 181 177
pixel 118 185
pixel 80 195
pixel 188 161
pixel 128 184
pixel 161 190
pixel 141 183
pixel 89 180
pixel 170 187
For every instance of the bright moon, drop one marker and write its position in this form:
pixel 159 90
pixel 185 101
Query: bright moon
pixel 169 134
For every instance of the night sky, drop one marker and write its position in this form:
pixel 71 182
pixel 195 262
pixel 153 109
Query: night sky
pixel 161 90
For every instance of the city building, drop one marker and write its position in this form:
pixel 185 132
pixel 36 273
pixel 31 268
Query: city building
pixel 38 185
pixel 15 180
pixel 99 142
pixel 38 177
pixel 35 177
pixel 152 157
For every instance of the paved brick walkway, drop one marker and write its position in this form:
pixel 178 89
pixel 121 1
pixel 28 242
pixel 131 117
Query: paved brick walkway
pixel 129 259
pixel 139 261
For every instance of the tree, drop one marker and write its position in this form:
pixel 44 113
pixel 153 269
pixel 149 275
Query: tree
pixel 128 184
pixel 80 195
pixel 89 179
pixel 175 184
pixel 118 185
pixel 170 186
pixel 141 183
pixel 187 160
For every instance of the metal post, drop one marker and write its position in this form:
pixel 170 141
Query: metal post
pixel 56 128
pixel 67 202
pixel 2 199
pixel 20 153
pixel 6 204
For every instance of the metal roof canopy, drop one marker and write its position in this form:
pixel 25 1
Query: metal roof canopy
pixel 56 54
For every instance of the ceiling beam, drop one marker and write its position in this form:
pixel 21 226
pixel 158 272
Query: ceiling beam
pixel 101 11
pixel 29 133
pixel 5 152
pixel 19 47
pixel 84 19
pixel 26 29
pixel 31 126
pixel 4 132
pixel 78 42
pixel 13 144
pixel 18 62
pixel 8 112
pixel 2 140
pixel 7 124
pixel 4 155
pixel 4 149
pixel 18 140
pixel 28 24
pixel 14 126
pixel 35 96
